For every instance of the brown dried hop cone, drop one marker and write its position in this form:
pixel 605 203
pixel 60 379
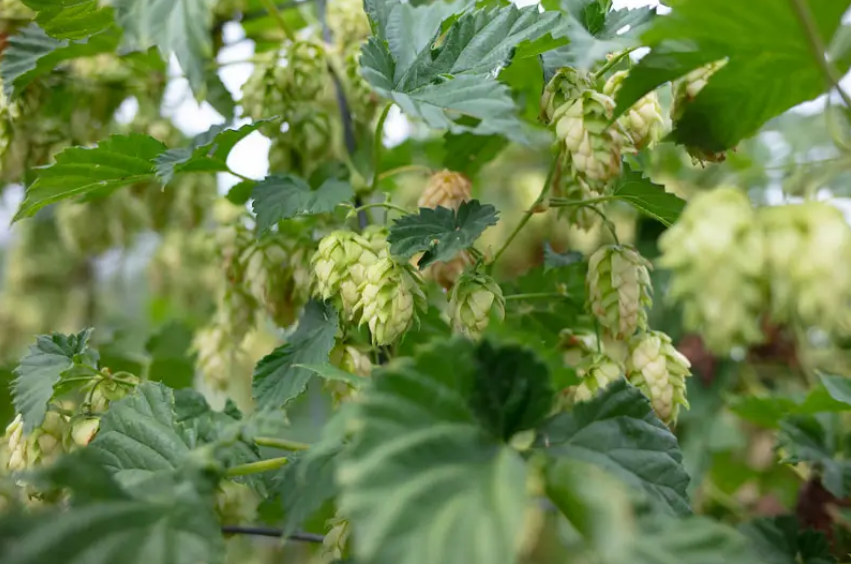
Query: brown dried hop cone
pixel 619 289
pixel 659 370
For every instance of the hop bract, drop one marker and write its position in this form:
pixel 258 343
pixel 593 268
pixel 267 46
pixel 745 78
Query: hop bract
pixel 656 367
pixel 597 372
pixel 808 250
pixel 619 289
pixel 445 189
pixel 473 299
pixel 643 122
pixel 389 298
pixel 340 265
pixel 39 447
pixel 566 85
pixel 717 257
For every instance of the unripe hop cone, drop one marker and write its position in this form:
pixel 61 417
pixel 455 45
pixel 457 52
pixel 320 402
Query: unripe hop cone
pixel 278 277
pixel 716 255
pixel 474 298
pixel 390 296
pixel 41 446
pixel 619 289
pixel 659 370
pixel 597 372
pixel 643 122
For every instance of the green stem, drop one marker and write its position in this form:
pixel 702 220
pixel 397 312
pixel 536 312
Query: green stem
pixel 256 467
pixel 284 444
pixel 403 169
pixel 378 145
pixel 528 214
pixel 240 176
pixel 387 205
pixel 278 17
pixel 61 410
pixel 597 335
pixel 609 225
pixel 615 60
pixel 565 203
pixel 534 296
pixel 818 48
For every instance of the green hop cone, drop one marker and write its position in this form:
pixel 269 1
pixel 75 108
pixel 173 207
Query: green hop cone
pixel 334 545
pixel 808 250
pixel 236 504
pixel 659 370
pixel 619 289
pixel 472 301
pixel 596 371
pixel 643 122
pixel 42 446
pixel 107 390
pixel 307 69
pixel 592 148
pixel 685 91
pixel 347 21
pixel 84 430
pixel 566 85
pixel 389 297
pixel 264 94
pixel 278 277
pixel 92 228
pixel 716 254
pixel 363 101
pixel 340 265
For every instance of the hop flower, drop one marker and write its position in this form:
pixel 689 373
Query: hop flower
pixel 92 228
pixel 597 372
pixel 347 21
pixel 307 67
pixel 335 541
pixel 619 289
pixel 362 99
pixel 84 429
pixel 685 91
pixel 353 361
pixel 17 445
pixel 447 273
pixel 565 86
pixel 581 217
pixel 659 371
pixel 390 295
pixel 264 94
pixel 278 277
pixel 236 503
pixel 446 189
pixel 39 447
pixel 218 353
pixel 643 122
pixel 107 390
pixel 808 247
pixel 184 271
pixel 473 299
pixel 716 254
pixel 340 267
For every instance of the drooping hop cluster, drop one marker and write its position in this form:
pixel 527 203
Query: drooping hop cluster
pixel 389 297
pixel 355 361
pixel 347 21
pixel 92 228
pixel 619 289
pixel 596 371
pixel 278 277
pixel 592 148
pixel 643 122
pixel 808 250
pixel 685 91
pixel 716 254
pixel 566 85
pixel 659 370
pixel 340 265
pixel 41 446
pixel 474 298
pixel 184 272
pixel 264 94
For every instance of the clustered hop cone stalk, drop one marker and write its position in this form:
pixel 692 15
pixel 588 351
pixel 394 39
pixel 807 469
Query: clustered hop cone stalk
pixel 475 297
pixel 716 255
pixel 619 289
pixel 659 370
pixel 685 91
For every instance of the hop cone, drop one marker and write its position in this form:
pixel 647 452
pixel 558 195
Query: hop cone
pixel 717 257
pixel 592 148
pixel 347 21
pixel 447 273
pixel 306 143
pixel 390 295
pixel 685 91
pixel 658 369
pixel 218 352
pixel 108 390
pixel 340 267
pixel 581 217
pixel 41 446
pixel 92 228
pixel 184 271
pixel 264 94
pixel 597 372
pixel 808 247
pixel 619 289
pixel 84 430
pixel 363 101
pixel 236 504
pixel 643 122
pixel 335 541
pixel 472 300
pixel 278 277
pixel 446 189
pixel 565 86
pixel 307 69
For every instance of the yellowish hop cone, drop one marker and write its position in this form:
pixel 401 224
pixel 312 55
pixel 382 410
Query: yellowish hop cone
pixel 446 189
pixel 597 372
pixel 643 122
pixel 41 446
pixel 659 370
pixel 619 289
pixel 389 297
pixel 474 298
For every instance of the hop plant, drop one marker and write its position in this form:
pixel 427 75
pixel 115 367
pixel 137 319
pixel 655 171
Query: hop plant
pixel 236 503
pixel 643 122
pixel 105 390
pixel 307 70
pixel 581 217
pixel 808 247
pixel 596 372
pixel 184 272
pixel 278 277
pixel 619 289
pixel 389 298
pixel 92 228
pixel 41 446
pixel 347 21
pixel 447 189
pixel 659 370
pixel 685 91
pixel 566 85
pixel 474 298
pixel 84 430
pixel 717 257
pixel 334 544
pixel 264 94
pixel 363 101
pixel 340 267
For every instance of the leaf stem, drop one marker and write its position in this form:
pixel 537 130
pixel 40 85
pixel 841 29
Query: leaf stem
pixel 614 61
pixel 528 214
pixel 609 225
pixel 818 48
pixel 284 444
pixel 256 467
pixel 240 176
pixel 565 203
pixel 387 205
pixel 270 532
pixel 534 296
pixel 403 169
pixel 278 17
pixel 378 145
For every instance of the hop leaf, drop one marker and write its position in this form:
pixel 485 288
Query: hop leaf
pixel 474 298
pixel 619 289
pixel 390 295
pixel 659 370
pixel 685 91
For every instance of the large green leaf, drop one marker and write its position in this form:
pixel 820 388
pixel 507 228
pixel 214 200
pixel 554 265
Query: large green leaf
pixel 804 438
pixel 695 540
pixel 120 160
pixel 71 19
pixel 440 233
pixel 41 369
pixel 181 27
pixel 647 197
pixel 306 484
pixel 619 431
pixel 423 481
pixel 278 377
pixel 284 196
pixel 456 80
pixel 763 76
pixel 31 53
pixel 780 540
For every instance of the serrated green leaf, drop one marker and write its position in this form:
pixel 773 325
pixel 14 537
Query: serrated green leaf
pixel 208 151
pixel 31 53
pixel 763 77
pixel 768 411
pixel 277 379
pixel 648 197
pixel 331 372
pixel 468 153
pixel 40 370
pixel 71 19
pixel 619 431
pixel 440 233
pixel 839 387
pixel 780 540
pixel 239 194
pixel 694 540
pixel 805 439
pixel 285 196
pixel 120 160
pixel 420 446
pixel 306 484
pixel 181 27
